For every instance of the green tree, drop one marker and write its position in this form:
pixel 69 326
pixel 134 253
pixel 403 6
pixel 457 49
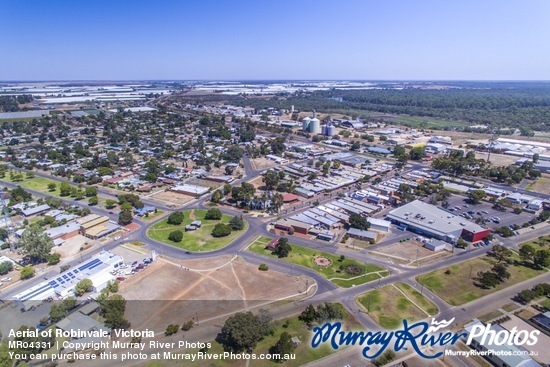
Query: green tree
pixel 110 203
pixel 54 258
pixel 241 331
pixel 64 189
pixel 35 244
pixel 91 191
pixel 541 259
pixel 271 179
pixel 284 346
pixel 171 329
pixel 236 223
pixel 151 177
pixel 125 217
pixel 527 253
pixel 175 218
pixel 112 309
pixel 536 158
pixel 221 230
pixel 417 153
pixel 84 286
pixel 501 253
pixel 501 271
pixel 359 222
pixel 176 236
pixel 52 186
pixel 475 196
pixel 355 145
pixel 126 206
pixel 309 315
pixel 27 272
pixel 213 214
pixel 283 248
pixel 93 200
pixel 234 154
pixel 217 196
pixel 488 279
pixel 6 267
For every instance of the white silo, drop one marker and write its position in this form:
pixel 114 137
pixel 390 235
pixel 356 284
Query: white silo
pixel 305 123
pixel 331 130
pixel 315 126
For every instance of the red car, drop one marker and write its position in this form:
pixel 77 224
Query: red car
pixel 120 279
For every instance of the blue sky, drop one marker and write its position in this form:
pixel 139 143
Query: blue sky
pixel 275 39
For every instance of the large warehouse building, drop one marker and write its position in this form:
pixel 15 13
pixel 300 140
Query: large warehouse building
pixel 97 269
pixel 429 220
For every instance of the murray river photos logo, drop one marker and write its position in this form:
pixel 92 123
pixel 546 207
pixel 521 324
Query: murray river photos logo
pixel 417 336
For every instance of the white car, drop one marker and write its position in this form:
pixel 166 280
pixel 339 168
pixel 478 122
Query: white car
pixel 117 238
pixel 6 279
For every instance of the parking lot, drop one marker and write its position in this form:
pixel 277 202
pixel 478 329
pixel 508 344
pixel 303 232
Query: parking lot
pixel 460 205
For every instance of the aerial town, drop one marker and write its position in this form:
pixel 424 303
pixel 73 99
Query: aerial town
pixel 235 217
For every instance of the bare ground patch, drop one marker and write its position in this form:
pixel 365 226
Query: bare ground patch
pixel 170 293
pixel 408 251
pixel 170 197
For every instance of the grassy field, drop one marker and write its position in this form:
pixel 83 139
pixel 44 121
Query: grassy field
pixel 304 353
pixel 541 185
pixel 426 122
pixel 418 298
pixel 199 240
pixel 388 306
pixel 457 288
pixel 38 184
pixel 152 216
pixel 305 257
pixel 542 243
pixel 545 303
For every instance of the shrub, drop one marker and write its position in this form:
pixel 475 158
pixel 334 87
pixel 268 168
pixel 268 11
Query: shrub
pixel 236 223
pixel 187 326
pixel 221 230
pixel 213 214
pixel 176 236
pixel 54 258
pixel 27 272
pixel 175 218
pixel 353 270
pixel 263 267
pixel 6 267
pixel 171 329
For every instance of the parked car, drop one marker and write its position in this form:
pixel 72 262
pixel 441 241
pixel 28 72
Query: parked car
pixel 120 279
pixel 6 279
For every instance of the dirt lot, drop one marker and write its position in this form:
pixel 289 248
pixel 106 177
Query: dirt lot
pixel 170 197
pixel 170 291
pixel 407 251
pixel 263 163
pixel 257 182
pixel 499 159
pixel 72 246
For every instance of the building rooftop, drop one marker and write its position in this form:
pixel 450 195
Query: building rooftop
pixel 432 219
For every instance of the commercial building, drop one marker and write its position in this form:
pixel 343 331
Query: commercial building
pixel 429 220
pixel 299 227
pixel 191 190
pixel 63 232
pixel 96 226
pixel 97 269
